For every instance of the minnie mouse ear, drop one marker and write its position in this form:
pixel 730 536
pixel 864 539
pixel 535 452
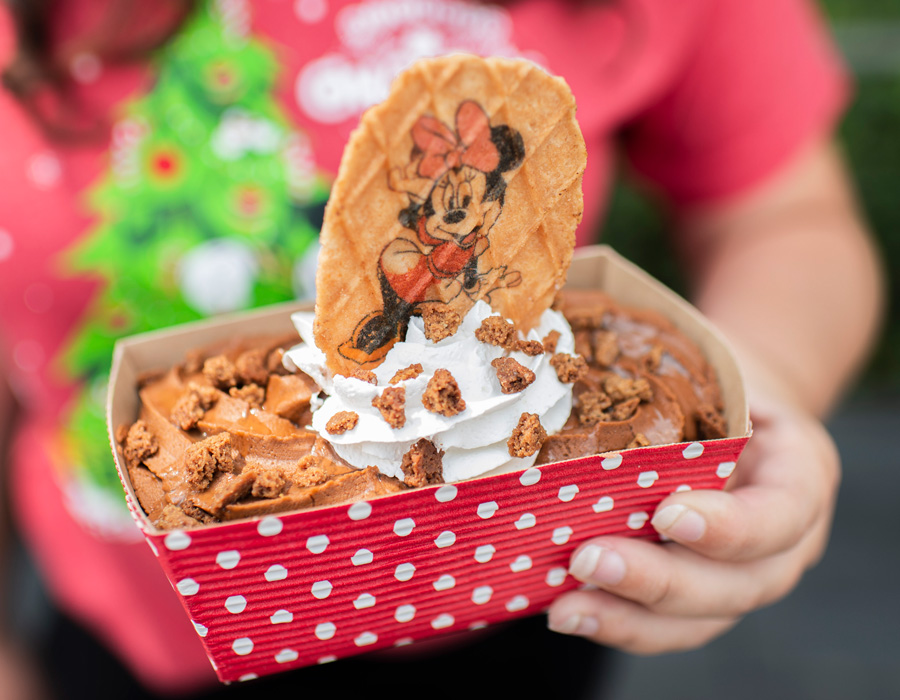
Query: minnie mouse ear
pixel 541 152
pixel 510 145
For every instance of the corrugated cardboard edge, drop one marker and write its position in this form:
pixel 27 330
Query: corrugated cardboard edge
pixel 593 267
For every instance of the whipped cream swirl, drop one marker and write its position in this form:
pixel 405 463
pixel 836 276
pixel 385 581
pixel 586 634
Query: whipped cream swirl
pixel 474 441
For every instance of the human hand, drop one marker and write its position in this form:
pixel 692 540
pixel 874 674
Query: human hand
pixel 731 552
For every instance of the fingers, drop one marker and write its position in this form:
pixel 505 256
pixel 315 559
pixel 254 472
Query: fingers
pixel 788 481
pixel 672 580
pixel 743 525
pixel 607 619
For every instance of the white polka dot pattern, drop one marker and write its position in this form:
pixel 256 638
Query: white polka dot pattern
pixel 317 544
pixel 309 587
pixel 530 477
pixel 603 505
pixel 276 572
pixel 242 646
pixel 405 613
pixel 485 553
pixel 187 586
pixel 270 526
pixel 281 617
pixel 286 656
pixel 692 451
pixel 556 577
pixel 321 589
pixel 404 527
pixel 228 559
pixel 446 493
pixel 442 621
pixel 325 630
pixel 364 600
pixel 360 510
pixel 362 557
pixel 567 492
pixel 365 639
pixel 525 521
pixel 647 479
pixel 724 470
pixel 521 563
pixel 404 572
pixel 487 510
pixel 520 602
pixel 561 535
pixel 235 604
pixel 445 539
pixel 611 462
pixel 444 583
pixel 177 540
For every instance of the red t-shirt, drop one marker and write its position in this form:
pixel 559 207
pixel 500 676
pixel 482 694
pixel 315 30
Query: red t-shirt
pixel 220 154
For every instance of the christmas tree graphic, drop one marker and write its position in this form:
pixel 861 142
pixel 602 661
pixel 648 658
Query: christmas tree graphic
pixel 211 203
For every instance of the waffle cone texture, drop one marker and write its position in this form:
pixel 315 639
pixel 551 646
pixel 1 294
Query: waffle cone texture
pixel 464 184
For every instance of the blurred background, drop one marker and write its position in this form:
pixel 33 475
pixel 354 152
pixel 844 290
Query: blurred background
pixel 838 634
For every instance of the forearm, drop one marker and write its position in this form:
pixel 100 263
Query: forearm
pixel 790 275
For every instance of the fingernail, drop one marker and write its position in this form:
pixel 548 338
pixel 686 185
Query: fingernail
pixel 680 523
pixel 575 624
pixel 598 564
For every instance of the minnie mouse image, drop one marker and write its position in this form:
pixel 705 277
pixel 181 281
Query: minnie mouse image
pixel 455 185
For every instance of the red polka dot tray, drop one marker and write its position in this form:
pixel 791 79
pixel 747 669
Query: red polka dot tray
pixel 275 593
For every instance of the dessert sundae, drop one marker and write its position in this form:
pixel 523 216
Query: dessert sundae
pixel 434 355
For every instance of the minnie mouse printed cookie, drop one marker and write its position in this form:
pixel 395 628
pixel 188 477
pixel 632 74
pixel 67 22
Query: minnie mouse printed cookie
pixel 465 184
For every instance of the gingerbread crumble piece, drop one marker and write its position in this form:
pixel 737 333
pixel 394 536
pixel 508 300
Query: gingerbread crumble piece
pixel 653 358
pixel 710 423
pixel 253 394
pixel 121 433
pixel 550 341
pixel 606 347
pixel 625 409
pixel 309 472
pixel 592 407
pixel 196 401
pixel 341 422
pixel 586 319
pixel 268 484
pixel 410 372
pixel 204 459
pixel 364 375
pixel 172 517
pixel 392 405
pixel 193 511
pixel 251 367
pixel 527 437
pixel 513 377
pixel 442 395
pixel 639 441
pixel 422 465
pixel 497 331
pixel 220 371
pixel 139 443
pixel 532 348
pixel 569 368
pixel 622 388
pixel 440 322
